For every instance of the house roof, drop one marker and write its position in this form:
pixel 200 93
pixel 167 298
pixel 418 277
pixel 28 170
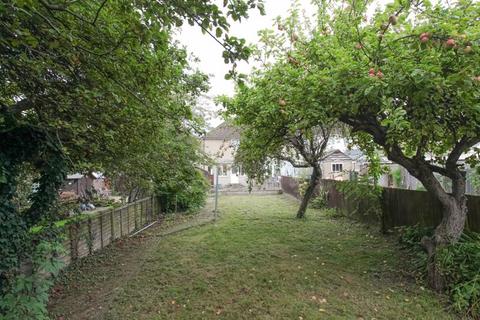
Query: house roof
pixel 336 155
pixel 97 175
pixel 355 154
pixel 75 176
pixel 224 131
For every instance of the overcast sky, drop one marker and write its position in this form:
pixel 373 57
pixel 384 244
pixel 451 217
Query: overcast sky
pixel 210 52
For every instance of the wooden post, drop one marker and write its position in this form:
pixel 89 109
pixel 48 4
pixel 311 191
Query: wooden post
pixel 70 236
pixel 101 230
pixel 176 204
pixel 112 230
pixel 135 209
pixel 90 237
pixel 141 213
pixel 149 210
pixel 128 219
pixel 73 241
pixel 121 226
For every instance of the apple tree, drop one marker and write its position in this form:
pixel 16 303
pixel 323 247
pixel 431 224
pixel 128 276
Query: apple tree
pixel 280 120
pixel 407 79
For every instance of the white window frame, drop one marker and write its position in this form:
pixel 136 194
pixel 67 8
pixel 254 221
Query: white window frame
pixel 223 170
pixel 340 166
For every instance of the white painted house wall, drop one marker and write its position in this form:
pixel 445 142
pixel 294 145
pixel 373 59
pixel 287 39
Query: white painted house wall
pixel 220 145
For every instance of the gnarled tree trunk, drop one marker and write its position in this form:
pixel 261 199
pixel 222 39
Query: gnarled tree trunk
pixel 316 175
pixel 450 229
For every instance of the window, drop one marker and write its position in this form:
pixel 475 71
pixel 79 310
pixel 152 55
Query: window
pixel 337 167
pixel 223 170
pixel 238 170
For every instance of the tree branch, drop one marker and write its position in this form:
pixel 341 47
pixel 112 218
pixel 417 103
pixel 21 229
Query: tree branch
pixel 98 12
pixel 460 147
pixel 293 162
pixel 51 7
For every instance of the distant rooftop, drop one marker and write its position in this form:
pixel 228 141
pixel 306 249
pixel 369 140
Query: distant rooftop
pixel 224 131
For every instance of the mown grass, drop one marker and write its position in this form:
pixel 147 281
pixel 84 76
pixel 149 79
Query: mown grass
pixel 259 262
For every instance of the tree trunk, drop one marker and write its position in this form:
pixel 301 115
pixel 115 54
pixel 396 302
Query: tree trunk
pixel 450 229
pixel 316 175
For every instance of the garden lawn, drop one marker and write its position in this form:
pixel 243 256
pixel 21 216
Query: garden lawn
pixel 256 262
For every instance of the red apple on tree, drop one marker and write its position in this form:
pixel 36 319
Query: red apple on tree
pixel 424 37
pixel 450 43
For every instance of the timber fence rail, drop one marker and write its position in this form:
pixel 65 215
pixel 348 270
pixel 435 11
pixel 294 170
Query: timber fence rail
pixel 400 207
pixel 96 231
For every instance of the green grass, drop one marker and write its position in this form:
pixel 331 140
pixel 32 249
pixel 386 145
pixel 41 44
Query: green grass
pixel 257 262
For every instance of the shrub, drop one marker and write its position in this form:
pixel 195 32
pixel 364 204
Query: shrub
pixel 410 240
pixel 194 196
pixel 320 201
pixel 397 178
pixel 26 296
pixel 365 195
pixel 186 195
pixel 302 186
pixel 332 213
pixel 460 263
pixel 410 236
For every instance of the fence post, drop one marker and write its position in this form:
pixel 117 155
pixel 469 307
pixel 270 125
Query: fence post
pixel 152 208
pixel 112 230
pixel 73 241
pixel 141 213
pixel 121 226
pixel 128 219
pixel 135 209
pixel 90 237
pixel 157 208
pixel 176 203
pixel 146 212
pixel 101 229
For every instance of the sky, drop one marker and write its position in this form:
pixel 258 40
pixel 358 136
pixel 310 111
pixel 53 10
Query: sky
pixel 209 52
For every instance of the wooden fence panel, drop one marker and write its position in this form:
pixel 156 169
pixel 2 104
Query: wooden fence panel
pixel 84 237
pixel 400 207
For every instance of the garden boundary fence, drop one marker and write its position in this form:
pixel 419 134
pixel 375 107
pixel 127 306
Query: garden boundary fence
pixel 400 207
pixel 95 231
